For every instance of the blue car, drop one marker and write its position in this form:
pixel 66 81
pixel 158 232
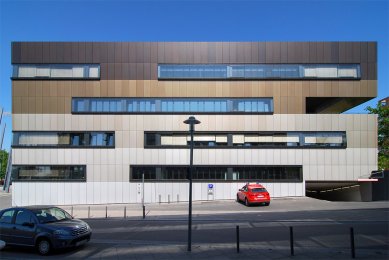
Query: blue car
pixel 43 227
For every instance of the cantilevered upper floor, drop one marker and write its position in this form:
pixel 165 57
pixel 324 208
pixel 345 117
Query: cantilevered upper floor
pixel 192 77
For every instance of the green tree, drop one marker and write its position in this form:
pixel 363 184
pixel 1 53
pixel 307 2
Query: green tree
pixel 383 134
pixel 3 163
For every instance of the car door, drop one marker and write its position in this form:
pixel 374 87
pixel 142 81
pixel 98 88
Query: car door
pixel 24 227
pixel 7 226
pixel 245 191
pixel 242 193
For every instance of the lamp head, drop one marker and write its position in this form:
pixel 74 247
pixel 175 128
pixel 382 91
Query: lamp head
pixel 192 121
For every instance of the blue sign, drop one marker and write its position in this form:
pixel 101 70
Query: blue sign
pixel 210 186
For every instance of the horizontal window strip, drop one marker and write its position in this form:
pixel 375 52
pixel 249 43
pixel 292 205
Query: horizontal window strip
pixel 172 105
pixel 64 139
pixel 246 139
pixel 75 173
pixel 259 71
pixel 217 173
pixel 56 71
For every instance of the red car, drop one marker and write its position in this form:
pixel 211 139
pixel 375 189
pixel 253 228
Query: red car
pixel 253 193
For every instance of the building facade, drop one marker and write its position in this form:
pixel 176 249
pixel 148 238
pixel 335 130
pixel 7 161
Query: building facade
pixel 91 119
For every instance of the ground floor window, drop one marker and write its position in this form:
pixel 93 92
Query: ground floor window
pixel 49 173
pixel 217 173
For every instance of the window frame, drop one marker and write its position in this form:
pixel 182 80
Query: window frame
pixel 279 71
pixel 161 103
pixel 230 134
pixel 229 169
pixel 85 66
pixel 50 180
pixel 70 145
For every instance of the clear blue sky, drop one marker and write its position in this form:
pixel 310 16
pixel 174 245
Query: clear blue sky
pixel 186 20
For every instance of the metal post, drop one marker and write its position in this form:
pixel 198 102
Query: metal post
pixel 72 211
pixel 2 136
pixel 291 241
pixel 143 189
pixel 237 239
pixel 125 211
pixel 1 114
pixel 352 242
pixel 168 198
pixel 106 211
pixel 190 190
pixel 191 121
pixel 144 211
pixel 88 211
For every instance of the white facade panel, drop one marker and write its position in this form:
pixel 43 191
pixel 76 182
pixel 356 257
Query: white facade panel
pixel 108 169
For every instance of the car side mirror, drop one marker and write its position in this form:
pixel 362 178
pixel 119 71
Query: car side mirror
pixel 240 190
pixel 26 224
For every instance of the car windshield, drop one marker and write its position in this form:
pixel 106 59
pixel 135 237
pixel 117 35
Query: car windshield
pixel 258 190
pixel 49 215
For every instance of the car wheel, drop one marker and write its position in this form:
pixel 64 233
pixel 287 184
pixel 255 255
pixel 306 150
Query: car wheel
pixel 43 246
pixel 237 198
pixel 267 203
pixel 246 202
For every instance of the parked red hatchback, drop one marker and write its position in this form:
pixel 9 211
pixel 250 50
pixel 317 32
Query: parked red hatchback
pixel 253 193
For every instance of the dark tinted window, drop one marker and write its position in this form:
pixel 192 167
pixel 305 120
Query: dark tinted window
pixel 226 173
pixel 258 190
pixel 7 216
pixel 49 172
pixel 63 139
pixel 24 216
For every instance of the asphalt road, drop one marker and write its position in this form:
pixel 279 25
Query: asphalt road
pixel 322 232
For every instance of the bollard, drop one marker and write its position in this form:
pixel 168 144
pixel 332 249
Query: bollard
pixel 106 212
pixel 352 242
pixel 168 199
pixel 125 211
pixel 178 198
pixel 291 241
pixel 237 239
pixel 144 211
pixel 159 198
pixel 72 211
pixel 88 211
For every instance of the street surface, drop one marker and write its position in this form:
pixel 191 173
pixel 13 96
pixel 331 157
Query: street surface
pixel 321 230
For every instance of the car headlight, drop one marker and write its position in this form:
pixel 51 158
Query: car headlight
pixel 87 226
pixel 62 232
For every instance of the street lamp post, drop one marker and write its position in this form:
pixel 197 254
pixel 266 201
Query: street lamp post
pixel 191 121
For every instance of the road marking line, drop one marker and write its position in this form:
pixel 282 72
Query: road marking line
pixel 379 241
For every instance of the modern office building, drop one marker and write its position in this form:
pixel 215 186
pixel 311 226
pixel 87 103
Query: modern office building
pixel 91 118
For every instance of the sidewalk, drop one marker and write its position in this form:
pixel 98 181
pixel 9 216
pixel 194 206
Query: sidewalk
pixel 174 210
pixel 225 251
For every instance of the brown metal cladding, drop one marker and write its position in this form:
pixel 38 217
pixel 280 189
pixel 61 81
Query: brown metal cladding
pixel 125 52
pixel 75 50
pixel 16 52
pixel 152 53
pixel 67 52
pixel 284 52
pixel 254 52
pixel 118 52
pixel 313 52
pixel 46 52
pixel 334 52
pixel 111 52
